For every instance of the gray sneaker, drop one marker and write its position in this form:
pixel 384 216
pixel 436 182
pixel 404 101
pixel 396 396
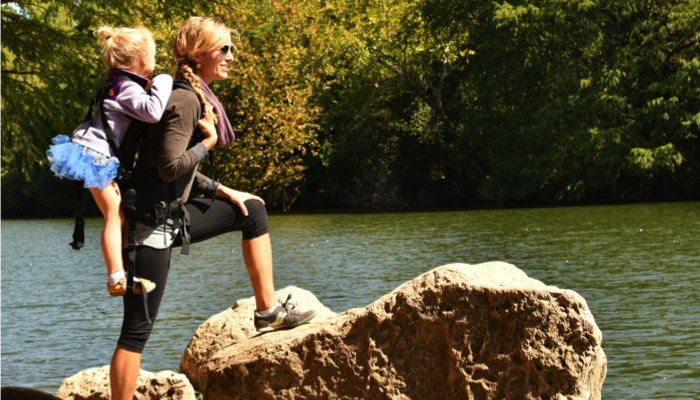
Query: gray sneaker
pixel 284 316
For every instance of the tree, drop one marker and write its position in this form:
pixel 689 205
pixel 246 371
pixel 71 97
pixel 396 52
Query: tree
pixel 393 107
pixel 593 96
pixel 268 98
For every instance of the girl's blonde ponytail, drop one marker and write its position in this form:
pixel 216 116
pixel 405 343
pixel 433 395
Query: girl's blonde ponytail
pixel 104 33
pixel 124 47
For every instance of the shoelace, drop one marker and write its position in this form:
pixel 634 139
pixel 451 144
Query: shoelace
pixel 287 305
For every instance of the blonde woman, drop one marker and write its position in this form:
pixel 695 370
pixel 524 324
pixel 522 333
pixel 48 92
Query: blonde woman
pixel 171 151
pixel 88 157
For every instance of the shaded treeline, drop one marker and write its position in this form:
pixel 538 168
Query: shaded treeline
pixel 394 103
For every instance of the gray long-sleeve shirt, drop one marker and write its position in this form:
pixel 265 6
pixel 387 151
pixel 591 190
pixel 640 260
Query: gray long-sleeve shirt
pixel 126 101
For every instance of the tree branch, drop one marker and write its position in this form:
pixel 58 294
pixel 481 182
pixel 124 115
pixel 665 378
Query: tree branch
pixel 62 76
pixel 442 46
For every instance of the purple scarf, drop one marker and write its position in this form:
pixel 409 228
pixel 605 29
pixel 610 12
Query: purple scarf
pixel 223 127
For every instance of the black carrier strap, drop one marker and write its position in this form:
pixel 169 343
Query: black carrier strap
pixel 79 228
pixel 184 229
pixel 97 102
pixel 109 134
pixel 129 257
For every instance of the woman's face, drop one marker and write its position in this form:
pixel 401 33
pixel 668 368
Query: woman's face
pixel 215 63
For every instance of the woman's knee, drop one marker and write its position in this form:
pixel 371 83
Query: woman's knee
pixel 257 220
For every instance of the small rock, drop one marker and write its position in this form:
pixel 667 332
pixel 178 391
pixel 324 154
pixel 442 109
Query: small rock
pixel 93 384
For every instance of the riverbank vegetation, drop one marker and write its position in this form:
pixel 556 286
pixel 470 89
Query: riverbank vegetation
pixel 393 103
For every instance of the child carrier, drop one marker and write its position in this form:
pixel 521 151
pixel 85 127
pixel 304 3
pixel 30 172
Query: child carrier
pixel 96 103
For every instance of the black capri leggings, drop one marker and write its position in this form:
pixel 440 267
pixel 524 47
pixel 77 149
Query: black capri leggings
pixel 208 218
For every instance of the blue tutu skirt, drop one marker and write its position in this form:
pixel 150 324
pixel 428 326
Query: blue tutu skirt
pixel 79 163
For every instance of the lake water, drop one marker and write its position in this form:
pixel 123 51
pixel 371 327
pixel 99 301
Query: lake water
pixel 637 266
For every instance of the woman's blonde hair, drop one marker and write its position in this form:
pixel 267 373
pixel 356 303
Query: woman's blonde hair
pixel 196 36
pixel 124 47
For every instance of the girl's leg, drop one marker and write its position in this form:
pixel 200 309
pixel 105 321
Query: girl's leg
pixel 123 373
pixel 211 218
pixel 109 201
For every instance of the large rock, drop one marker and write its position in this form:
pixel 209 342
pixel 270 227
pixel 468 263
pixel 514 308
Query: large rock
pixel 93 384
pixel 457 332
pixel 235 325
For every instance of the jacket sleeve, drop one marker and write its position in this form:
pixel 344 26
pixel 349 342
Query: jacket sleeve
pixel 178 123
pixel 204 185
pixel 138 104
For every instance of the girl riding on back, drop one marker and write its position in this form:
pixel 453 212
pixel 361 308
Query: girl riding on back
pixel 88 156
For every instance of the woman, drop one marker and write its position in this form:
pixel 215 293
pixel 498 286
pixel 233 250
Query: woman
pixel 167 166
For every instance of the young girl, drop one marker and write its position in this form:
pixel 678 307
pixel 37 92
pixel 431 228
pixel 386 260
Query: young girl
pixel 88 156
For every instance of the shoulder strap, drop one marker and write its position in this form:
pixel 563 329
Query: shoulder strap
pixel 183 84
pixel 109 134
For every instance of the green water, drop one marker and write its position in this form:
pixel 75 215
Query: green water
pixel 636 265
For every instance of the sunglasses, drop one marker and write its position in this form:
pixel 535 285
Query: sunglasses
pixel 226 49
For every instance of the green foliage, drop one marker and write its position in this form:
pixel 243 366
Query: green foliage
pixel 387 103
pixel 393 118
pixel 593 95
pixel 268 99
pixel 51 65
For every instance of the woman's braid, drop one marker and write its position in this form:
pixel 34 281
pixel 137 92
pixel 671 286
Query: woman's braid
pixel 193 79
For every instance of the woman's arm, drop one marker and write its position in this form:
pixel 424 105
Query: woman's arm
pixel 204 185
pixel 178 124
pixel 236 197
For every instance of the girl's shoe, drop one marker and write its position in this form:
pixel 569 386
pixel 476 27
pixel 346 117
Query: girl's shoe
pixel 119 288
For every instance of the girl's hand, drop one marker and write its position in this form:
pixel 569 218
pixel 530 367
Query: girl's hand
pixel 236 197
pixel 206 125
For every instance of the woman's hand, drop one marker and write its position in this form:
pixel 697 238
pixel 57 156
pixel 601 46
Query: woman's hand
pixel 236 197
pixel 206 125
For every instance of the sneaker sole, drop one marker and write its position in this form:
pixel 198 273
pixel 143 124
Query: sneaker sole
pixel 119 294
pixel 302 322
pixel 124 294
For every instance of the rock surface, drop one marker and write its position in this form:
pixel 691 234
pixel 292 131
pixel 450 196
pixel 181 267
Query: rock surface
pixel 459 331
pixel 93 384
pixel 235 325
